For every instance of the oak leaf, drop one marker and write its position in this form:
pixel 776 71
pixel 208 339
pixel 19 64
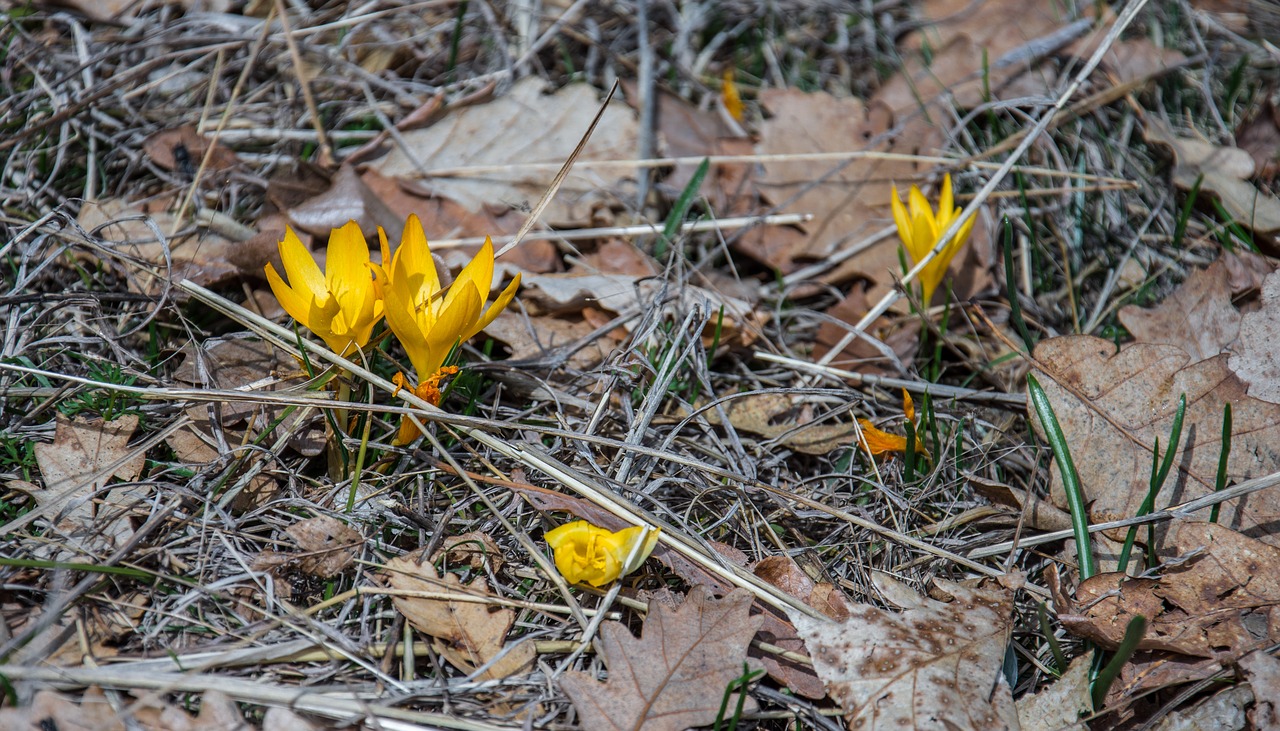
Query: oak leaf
pixel 1112 404
pixel 933 666
pixel 674 675
pixel 468 634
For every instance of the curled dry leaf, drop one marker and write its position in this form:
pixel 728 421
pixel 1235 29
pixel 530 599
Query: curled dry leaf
pixel 240 361
pixel 1059 705
pixel 152 260
pixel 778 416
pixel 468 634
pixel 934 665
pixel 1121 400
pixel 1263 671
pixel 1218 600
pixel 1256 359
pixel 1197 316
pixel 475 549
pixel 674 675
pixel 326 548
pixel 1220 171
pixel 183 148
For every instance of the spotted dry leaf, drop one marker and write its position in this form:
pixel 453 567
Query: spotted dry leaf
pixel 935 665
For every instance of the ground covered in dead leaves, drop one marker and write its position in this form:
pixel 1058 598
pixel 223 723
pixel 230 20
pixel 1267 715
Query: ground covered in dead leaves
pixel 862 522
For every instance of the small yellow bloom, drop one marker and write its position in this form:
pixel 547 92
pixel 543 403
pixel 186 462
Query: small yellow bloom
pixel 919 228
pixel 876 442
pixel 428 322
pixel 341 304
pixel 730 96
pixel 598 556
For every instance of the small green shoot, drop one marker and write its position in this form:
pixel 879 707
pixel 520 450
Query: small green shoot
pixel 1055 648
pixel 1159 474
pixel 909 458
pixel 738 684
pixel 1221 482
pixel 1132 636
pixel 1011 289
pixel 1180 228
pixel 680 209
pixel 1070 477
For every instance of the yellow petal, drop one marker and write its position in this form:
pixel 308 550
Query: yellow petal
pixel 635 544
pixel 918 204
pixel 346 259
pixel 946 201
pixel 908 406
pixel 297 305
pixel 303 272
pixel 478 273
pixel 416 254
pixel 497 307
pixel 459 314
pixel 901 219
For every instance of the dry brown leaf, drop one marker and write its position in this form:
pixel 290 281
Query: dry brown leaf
pixel 899 335
pixel 468 634
pixel 151 263
pixel 500 132
pixel 184 148
pixel 740 326
pixel 92 712
pixel 1225 171
pixel 674 676
pixel 784 573
pixel 474 548
pixel 1131 394
pixel 85 454
pixel 963 37
pixel 1256 359
pixel 1260 137
pixel 1222 711
pixel 348 199
pixel 547 337
pixel 1263 671
pixel 778 416
pixel 329 546
pixel 1221 603
pixel 1059 705
pixel 934 665
pixel 848 205
pixel 240 361
pixel 1197 317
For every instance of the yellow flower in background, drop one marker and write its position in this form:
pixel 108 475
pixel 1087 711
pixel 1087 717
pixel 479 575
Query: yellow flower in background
pixel 919 228
pixel 730 96
pixel 430 322
pixel 585 553
pixel 340 304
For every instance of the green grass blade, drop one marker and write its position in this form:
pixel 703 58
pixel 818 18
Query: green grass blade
pixel 1070 477
pixel 1132 636
pixel 1159 474
pixel 1223 456
pixel 681 207
pixel 1011 290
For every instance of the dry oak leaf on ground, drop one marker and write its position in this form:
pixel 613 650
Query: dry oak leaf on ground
pixel 327 547
pixel 1218 600
pixel 1059 705
pixel 1226 172
pixel 1263 672
pixel 85 455
pixel 674 675
pixel 1197 316
pixel 499 132
pixel 934 665
pixel 92 712
pixel 1121 400
pixel 467 633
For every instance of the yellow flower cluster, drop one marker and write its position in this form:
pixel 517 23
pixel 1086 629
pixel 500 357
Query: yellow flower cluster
pixel 344 302
pixel 919 228
pixel 585 553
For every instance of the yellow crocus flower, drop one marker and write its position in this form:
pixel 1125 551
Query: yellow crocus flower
pixel 429 322
pixel 877 441
pixel 586 553
pixel 340 304
pixel 919 228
